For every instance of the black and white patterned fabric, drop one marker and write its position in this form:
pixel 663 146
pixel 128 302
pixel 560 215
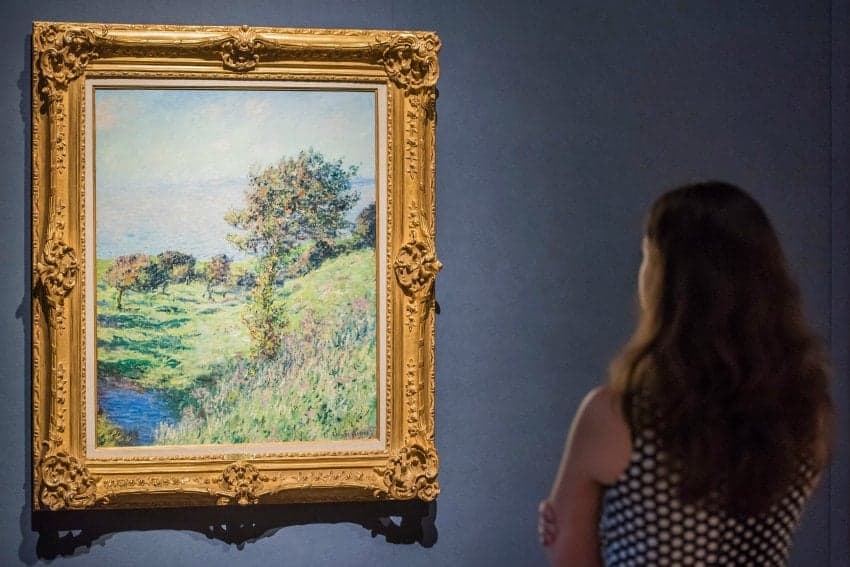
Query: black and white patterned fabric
pixel 643 523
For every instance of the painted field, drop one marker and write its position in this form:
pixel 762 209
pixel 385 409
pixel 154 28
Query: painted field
pixel 174 366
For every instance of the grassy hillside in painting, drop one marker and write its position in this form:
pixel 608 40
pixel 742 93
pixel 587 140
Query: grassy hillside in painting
pixel 193 352
pixel 166 340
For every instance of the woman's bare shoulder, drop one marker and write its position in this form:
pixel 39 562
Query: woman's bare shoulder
pixel 601 410
pixel 603 434
pixel 603 396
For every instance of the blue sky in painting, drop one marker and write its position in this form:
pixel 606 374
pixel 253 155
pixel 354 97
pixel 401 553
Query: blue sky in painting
pixel 170 163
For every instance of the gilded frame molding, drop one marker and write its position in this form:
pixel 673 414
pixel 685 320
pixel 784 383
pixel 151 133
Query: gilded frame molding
pixel 64 56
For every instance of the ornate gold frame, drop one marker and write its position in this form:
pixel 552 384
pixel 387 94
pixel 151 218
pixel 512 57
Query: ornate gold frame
pixel 64 56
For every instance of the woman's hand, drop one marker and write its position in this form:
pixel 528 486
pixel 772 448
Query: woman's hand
pixel 547 523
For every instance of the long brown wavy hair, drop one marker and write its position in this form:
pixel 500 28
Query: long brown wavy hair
pixel 738 383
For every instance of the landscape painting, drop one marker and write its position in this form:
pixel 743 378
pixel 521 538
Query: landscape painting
pixel 235 253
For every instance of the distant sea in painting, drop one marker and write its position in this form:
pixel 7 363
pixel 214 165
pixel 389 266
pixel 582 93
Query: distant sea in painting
pixel 124 216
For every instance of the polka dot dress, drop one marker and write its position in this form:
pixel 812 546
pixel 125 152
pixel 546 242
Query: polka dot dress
pixel 643 523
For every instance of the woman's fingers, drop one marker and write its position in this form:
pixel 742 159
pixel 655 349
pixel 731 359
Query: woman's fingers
pixel 547 526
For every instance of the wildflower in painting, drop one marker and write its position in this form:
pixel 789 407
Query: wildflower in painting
pixel 299 199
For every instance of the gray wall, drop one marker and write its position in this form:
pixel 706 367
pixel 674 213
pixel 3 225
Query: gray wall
pixel 559 123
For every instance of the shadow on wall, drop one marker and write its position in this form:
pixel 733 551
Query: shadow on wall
pixel 74 532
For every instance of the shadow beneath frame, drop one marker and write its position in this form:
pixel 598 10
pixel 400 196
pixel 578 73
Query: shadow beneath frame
pixel 70 533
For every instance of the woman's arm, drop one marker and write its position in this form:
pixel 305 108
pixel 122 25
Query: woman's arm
pixel 597 452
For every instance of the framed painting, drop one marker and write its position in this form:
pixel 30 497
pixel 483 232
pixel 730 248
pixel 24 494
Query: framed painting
pixel 233 265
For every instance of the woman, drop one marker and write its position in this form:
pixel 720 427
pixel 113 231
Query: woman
pixel 714 426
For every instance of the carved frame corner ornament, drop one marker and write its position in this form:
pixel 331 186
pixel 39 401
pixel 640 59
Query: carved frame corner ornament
pixel 65 481
pixel 72 60
pixel 411 61
pixel 410 473
pixel 62 54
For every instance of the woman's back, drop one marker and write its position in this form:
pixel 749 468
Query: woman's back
pixel 644 522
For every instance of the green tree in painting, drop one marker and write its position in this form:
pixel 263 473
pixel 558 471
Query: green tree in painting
pixel 364 227
pixel 127 272
pixel 216 272
pixel 300 199
pixel 178 267
pixel 152 277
